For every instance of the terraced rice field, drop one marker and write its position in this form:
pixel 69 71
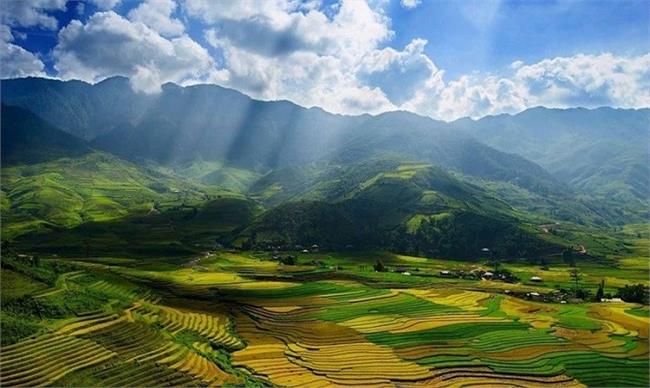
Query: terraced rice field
pixel 145 344
pixel 439 337
pixel 114 346
pixel 161 331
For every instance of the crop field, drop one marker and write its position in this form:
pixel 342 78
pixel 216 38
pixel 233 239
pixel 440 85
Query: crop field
pixel 244 319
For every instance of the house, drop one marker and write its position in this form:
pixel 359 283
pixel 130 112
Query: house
pixel 488 274
pixel 535 279
pixel 305 251
pixel 611 300
pixel 534 296
pixel 445 273
pixel 406 273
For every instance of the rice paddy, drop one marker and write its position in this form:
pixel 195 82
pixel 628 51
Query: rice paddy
pixel 313 327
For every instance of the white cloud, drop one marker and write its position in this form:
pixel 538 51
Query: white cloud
pixel 580 80
pixel 109 45
pixel 156 14
pixel 15 61
pixel 470 96
pixel 289 50
pixel 32 13
pixel 281 27
pixel 400 73
pixel 105 5
pixel 5 33
pixel 303 77
pixel 588 80
pixel 410 4
pixel 275 50
pixel 145 79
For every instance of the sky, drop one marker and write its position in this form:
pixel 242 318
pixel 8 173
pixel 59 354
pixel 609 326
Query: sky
pixel 443 59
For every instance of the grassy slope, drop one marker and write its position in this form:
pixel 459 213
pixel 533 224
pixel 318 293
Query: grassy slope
pixel 214 173
pixel 411 207
pixel 58 194
pixel 118 201
pixel 94 188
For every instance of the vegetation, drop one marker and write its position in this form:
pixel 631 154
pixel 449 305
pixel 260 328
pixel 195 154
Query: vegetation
pixel 326 319
pixel 637 293
pixel 260 243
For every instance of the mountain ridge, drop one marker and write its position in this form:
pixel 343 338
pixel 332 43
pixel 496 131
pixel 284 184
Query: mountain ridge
pixel 386 175
pixel 213 123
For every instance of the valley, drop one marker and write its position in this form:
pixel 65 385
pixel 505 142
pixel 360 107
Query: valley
pixel 260 243
pixel 243 318
pixel 325 193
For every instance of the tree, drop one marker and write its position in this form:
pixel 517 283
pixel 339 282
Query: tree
pixel 567 257
pixel 288 260
pixel 600 294
pixel 248 244
pixel 379 266
pixel 637 293
pixel 575 276
pixel 496 263
pixel 4 248
pixel 543 264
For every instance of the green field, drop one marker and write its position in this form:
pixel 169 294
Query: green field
pixel 243 318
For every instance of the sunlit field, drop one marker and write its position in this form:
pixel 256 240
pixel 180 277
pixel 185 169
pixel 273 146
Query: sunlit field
pixel 241 318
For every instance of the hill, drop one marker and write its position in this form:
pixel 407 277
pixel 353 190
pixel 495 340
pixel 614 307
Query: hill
pixel 79 108
pixel 28 139
pixel 408 207
pixel 182 125
pixel 602 151
pixel 195 165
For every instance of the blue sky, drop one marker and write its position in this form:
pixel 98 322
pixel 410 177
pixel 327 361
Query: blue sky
pixel 445 59
pixel 488 35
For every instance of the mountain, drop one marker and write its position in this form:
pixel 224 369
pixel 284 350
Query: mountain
pixel 602 151
pixel 28 139
pixel 422 139
pixel 408 207
pixel 177 171
pixel 210 123
pixel 51 179
pixel 77 107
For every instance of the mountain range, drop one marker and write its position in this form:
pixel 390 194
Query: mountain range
pixel 201 164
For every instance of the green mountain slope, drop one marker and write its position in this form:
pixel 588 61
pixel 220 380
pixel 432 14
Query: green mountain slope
pixel 28 139
pixel 183 125
pixel 179 228
pixel 603 152
pixel 408 207
pixel 95 187
pixel 419 138
pixel 193 166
